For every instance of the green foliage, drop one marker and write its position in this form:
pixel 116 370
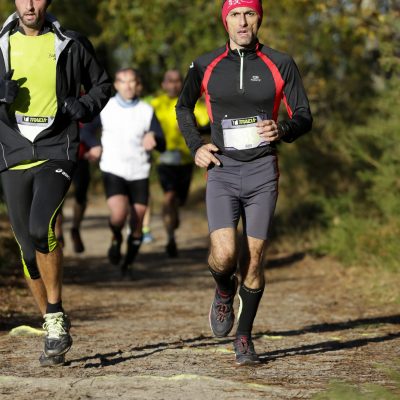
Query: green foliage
pixel 348 167
pixel 6 8
pixel 159 34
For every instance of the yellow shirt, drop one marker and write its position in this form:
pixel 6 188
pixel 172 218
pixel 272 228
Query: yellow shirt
pixel 164 108
pixel 33 60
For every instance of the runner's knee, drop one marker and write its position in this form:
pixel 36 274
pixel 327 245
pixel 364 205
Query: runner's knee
pixel 222 259
pixel 42 238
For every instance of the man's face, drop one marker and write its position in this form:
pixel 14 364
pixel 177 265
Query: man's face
pixel 242 25
pixel 172 83
pixel 31 12
pixel 126 84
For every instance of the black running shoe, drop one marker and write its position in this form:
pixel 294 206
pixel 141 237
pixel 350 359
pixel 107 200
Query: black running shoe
pixel 171 249
pixel 222 315
pixel 132 249
pixel 114 252
pixel 57 340
pixel 51 361
pixel 244 351
pixel 77 241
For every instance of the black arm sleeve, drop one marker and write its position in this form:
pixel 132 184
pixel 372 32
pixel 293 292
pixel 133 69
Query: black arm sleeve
pixel 95 80
pixel 158 133
pixel 185 109
pixel 88 133
pixel 297 104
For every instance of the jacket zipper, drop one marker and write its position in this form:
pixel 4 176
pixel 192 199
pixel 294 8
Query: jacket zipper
pixel 241 68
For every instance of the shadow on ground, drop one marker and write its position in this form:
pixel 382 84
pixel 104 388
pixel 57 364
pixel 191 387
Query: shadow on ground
pixel 113 358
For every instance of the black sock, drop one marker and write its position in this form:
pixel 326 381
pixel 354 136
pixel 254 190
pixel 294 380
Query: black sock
pixel 116 230
pixel 225 282
pixel 133 249
pixel 54 308
pixel 249 301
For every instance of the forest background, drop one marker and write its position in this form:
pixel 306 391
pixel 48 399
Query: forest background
pixel 340 184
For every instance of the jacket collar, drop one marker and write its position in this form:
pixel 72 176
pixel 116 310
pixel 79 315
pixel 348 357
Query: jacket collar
pixel 51 21
pixel 47 27
pixel 62 40
pixel 246 52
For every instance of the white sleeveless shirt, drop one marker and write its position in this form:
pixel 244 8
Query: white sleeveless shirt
pixel 124 125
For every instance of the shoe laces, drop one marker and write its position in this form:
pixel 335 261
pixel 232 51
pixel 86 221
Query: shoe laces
pixel 223 309
pixel 54 325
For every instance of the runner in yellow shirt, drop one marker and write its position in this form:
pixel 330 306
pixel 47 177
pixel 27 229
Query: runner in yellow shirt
pixel 175 165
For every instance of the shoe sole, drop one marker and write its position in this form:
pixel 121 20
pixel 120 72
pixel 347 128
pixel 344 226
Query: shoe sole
pixel 53 354
pixel 56 361
pixel 247 363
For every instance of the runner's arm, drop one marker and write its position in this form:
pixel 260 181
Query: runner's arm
pixel 89 132
pixel 95 80
pixel 155 127
pixel 296 101
pixel 185 109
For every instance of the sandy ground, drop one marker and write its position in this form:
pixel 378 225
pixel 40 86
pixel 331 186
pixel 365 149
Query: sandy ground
pixel 147 337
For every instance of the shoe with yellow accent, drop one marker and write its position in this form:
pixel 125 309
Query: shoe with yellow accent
pixel 57 340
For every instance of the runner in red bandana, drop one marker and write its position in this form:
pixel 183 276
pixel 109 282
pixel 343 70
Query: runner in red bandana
pixel 243 83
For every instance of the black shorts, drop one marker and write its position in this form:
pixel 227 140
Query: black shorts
pixel 137 191
pixel 34 198
pixel 243 189
pixel 176 178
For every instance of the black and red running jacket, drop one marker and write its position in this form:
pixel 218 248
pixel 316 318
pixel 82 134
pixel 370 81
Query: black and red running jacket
pixel 241 84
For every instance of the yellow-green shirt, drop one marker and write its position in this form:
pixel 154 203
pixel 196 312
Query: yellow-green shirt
pixel 164 108
pixel 33 60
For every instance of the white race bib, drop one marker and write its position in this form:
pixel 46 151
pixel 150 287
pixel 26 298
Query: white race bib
pixel 241 133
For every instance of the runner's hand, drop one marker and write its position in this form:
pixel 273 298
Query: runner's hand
pixel 268 130
pixel 149 141
pixel 8 88
pixel 204 156
pixel 93 154
pixel 73 108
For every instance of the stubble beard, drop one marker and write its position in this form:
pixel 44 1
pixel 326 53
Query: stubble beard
pixel 34 24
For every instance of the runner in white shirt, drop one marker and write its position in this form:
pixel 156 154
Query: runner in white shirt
pixel 130 131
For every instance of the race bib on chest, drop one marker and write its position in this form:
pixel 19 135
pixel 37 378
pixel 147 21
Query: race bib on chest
pixel 241 133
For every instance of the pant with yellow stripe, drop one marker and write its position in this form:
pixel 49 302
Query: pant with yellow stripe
pixel 34 197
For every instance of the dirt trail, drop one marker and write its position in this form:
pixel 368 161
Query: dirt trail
pixel 147 337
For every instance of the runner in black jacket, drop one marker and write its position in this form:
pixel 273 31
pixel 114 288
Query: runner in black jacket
pixel 42 69
pixel 243 83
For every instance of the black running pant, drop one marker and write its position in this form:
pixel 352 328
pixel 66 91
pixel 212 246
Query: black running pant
pixel 34 197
